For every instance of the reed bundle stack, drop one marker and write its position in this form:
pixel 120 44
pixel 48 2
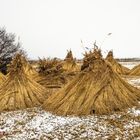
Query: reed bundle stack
pixel 118 68
pixel 135 71
pixel 97 89
pixel 20 91
pixel 70 64
pixel 51 72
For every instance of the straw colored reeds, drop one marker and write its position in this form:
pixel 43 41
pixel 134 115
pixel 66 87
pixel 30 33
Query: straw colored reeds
pixel 19 90
pixel 135 71
pixel 97 89
pixel 2 78
pixel 118 68
pixel 70 64
pixel 50 72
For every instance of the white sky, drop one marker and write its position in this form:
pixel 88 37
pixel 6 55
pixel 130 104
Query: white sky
pixel 50 27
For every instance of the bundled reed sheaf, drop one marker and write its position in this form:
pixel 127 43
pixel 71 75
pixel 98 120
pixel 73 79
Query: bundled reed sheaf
pixel 87 60
pixel 50 66
pixel 135 71
pixel 51 72
pixel 96 89
pixel 19 90
pixel 29 70
pixel 69 63
pixel 118 68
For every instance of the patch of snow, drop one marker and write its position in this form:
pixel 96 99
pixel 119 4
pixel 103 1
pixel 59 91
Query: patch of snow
pixel 129 65
pixel 35 123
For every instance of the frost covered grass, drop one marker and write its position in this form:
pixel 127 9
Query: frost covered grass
pixel 35 123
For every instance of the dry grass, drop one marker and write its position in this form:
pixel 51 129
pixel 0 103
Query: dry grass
pixel 135 71
pixel 49 66
pixel 52 74
pixel 70 64
pixel 97 89
pixel 19 90
pixel 118 68
pixel 29 70
pixel 2 78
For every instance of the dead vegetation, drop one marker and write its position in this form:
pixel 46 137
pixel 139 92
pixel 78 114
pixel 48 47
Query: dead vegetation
pixel 135 71
pixel 51 73
pixel 70 64
pixel 2 78
pixel 54 73
pixel 118 68
pixel 19 90
pixel 96 89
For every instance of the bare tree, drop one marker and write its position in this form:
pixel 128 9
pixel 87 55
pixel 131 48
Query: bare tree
pixel 8 48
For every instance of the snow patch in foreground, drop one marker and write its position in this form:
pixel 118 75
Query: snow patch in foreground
pixel 35 123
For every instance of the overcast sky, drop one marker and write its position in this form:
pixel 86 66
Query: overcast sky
pixel 49 27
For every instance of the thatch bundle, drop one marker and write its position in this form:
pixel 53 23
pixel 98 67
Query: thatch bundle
pixel 51 73
pixel 135 71
pixel 69 63
pixel 96 89
pixel 69 55
pixel 118 68
pixel 50 66
pixel 29 70
pixel 89 56
pixel 20 91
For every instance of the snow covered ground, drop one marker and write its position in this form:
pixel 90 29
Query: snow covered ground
pixel 129 65
pixel 37 124
pixel 134 81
